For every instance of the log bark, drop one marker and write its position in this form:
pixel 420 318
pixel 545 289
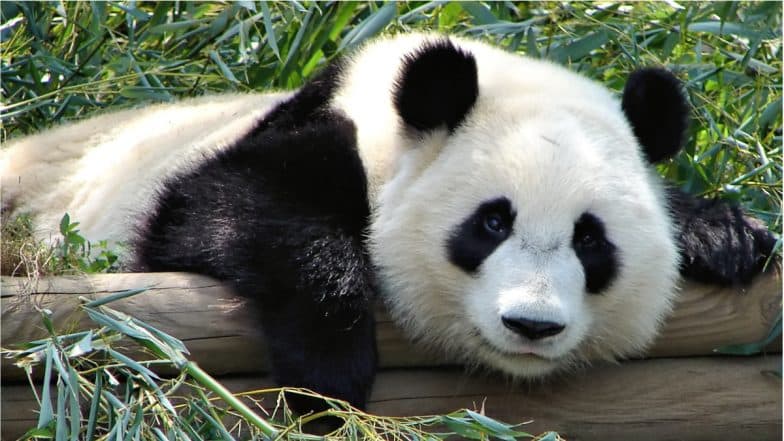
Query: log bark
pixel 216 326
pixel 697 398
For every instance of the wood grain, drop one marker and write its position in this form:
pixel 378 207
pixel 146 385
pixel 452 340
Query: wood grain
pixel 697 398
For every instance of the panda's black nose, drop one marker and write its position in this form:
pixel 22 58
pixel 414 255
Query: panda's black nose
pixel 532 329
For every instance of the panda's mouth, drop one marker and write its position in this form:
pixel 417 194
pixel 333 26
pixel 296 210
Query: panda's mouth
pixel 526 353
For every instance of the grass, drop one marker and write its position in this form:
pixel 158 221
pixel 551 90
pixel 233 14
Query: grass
pixel 63 61
pixel 23 254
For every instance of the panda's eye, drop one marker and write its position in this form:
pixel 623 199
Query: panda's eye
pixel 588 234
pixel 587 241
pixel 494 223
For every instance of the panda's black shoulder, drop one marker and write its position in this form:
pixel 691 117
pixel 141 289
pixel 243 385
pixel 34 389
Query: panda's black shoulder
pixel 297 168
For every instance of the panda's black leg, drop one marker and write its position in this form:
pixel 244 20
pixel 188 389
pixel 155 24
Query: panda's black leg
pixel 315 304
pixel 719 243
pixel 311 353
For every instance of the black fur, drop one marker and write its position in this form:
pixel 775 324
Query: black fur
pixel 656 109
pixel 308 104
pixel 437 86
pixel 596 253
pixel 281 215
pixel 719 243
pixel 471 242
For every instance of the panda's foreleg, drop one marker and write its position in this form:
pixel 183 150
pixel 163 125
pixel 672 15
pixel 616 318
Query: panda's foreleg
pixel 719 243
pixel 318 322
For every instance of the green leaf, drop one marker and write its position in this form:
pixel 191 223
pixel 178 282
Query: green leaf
pixel 175 26
pixel 463 428
pixel 214 56
pixel 247 4
pixel 94 403
pixel 43 432
pixel 418 12
pixel 771 115
pixel 112 297
pixel 214 422
pixel 499 429
pixel 83 346
pixel 272 39
pixel 134 12
pixel 159 435
pixel 64 222
pixel 62 398
pixel 370 27
pixel 579 48
pixel 739 29
pixel 75 238
pixel 46 414
pixel 294 49
pixel 145 93
pixel 74 411
pixel 480 13
pixel 530 43
pixel 135 429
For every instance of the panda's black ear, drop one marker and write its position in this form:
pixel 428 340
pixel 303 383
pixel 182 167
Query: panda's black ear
pixel 657 110
pixel 437 86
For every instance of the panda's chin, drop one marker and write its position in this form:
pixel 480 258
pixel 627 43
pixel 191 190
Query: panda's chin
pixel 521 364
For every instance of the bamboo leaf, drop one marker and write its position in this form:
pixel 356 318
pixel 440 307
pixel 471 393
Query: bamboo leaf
pixel 214 56
pixel 579 48
pixel 370 27
pixel 111 298
pixel 95 401
pixel 46 414
pixel 739 29
pixel 480 13
pixel 272 39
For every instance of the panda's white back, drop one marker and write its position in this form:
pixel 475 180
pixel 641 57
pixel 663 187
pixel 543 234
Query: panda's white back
pixel 105 170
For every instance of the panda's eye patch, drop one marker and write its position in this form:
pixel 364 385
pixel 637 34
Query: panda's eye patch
pixel 596 253
pixel 480 233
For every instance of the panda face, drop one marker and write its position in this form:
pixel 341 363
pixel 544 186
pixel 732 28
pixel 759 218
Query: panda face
pixel 540 239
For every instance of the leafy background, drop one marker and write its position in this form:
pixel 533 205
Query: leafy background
pixel 66 60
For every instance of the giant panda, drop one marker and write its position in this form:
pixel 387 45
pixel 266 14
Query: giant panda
pixel 504 208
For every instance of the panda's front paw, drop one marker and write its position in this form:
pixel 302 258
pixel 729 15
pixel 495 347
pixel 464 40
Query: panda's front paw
pixel 336 363
pixel 722 245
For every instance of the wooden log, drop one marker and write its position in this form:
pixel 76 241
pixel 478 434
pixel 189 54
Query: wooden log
pixel 218 329
pixel 699 398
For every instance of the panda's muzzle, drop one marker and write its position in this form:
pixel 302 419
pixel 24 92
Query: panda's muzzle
pixel 532 329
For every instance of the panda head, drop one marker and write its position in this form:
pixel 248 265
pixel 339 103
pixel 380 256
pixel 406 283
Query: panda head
pixel 524 228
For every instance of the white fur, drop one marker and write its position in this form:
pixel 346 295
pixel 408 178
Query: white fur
pixel 104 171
pixel 554 143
